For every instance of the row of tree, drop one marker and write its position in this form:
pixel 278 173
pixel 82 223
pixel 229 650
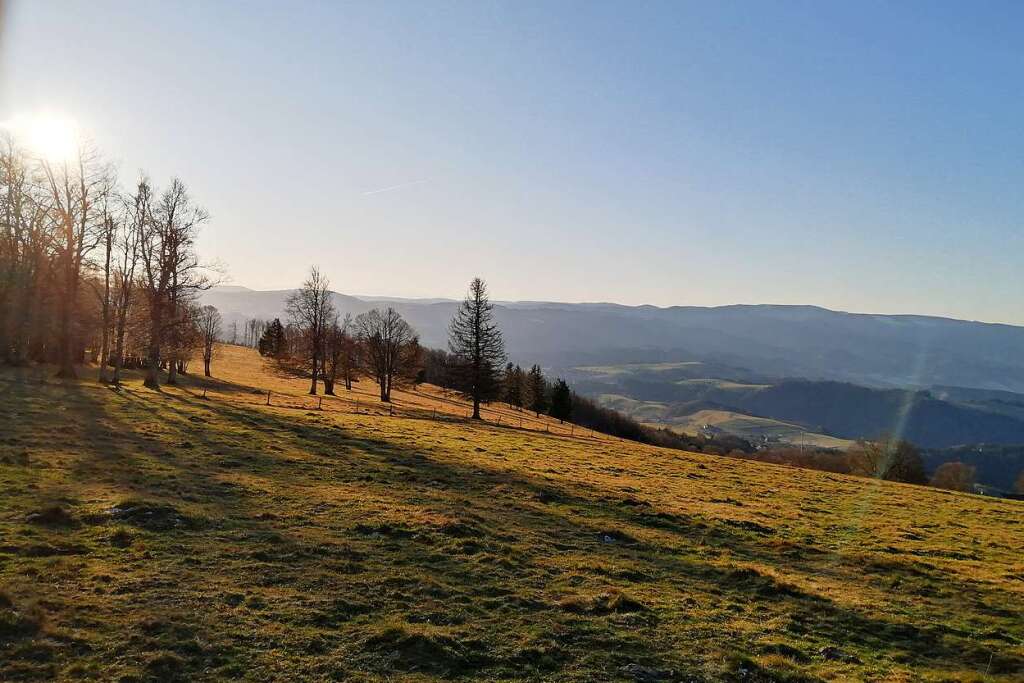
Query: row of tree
pixel 319 343
pixel 887 458
pixel 90 267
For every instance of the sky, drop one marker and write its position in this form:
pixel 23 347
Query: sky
pixel 863 156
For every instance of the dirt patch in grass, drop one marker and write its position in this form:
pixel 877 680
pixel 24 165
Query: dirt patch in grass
pixel 602 603
pixel 410 648
pixel 52 516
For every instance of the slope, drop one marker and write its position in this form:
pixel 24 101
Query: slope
pixel 164 536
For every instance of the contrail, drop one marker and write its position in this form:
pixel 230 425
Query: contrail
pixel 396 187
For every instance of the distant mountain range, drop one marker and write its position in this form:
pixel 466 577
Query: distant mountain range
pixel 763 341
pixel 937 381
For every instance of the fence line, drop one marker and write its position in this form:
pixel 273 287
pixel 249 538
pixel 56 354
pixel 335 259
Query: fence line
pixel 357 405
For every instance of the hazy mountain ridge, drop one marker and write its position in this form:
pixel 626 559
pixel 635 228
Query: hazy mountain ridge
pixel 764 340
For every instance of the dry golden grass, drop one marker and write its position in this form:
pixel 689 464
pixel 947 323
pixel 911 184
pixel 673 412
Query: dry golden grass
pixel 222 539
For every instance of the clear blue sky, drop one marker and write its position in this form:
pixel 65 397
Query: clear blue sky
pixel 861 156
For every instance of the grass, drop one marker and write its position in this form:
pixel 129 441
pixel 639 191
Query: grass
pixel 632 368
pixel 152 536
pixel 755 428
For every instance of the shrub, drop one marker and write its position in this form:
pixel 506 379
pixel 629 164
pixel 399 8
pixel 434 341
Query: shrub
pixel 955 476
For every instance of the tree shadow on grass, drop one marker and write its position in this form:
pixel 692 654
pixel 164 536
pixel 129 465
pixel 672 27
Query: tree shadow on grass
pixel 377 557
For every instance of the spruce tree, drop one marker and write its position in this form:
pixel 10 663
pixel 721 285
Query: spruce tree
pixel 561 401
pixel 272 342
pixel 537 387
pixel 514 385
pixel 475 340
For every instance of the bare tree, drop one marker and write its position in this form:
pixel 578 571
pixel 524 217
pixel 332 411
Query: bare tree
pixel 348 363
pixel 110 227
pixel 891 459
pixel 209 321
pixel 310 309
pixel 390 346
pixel 955 476
pixel 76 190
pixel 340 354
pixel 137 214
pixel 26 233
pixel 476 341
pixel 171 272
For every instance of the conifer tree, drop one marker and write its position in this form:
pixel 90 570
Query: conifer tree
pixel 537 388
pixel 476 341
pixel 561 401
pixel 513 382
pixel 272 342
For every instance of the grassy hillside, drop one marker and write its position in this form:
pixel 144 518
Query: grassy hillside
pixel 950 416
pixel 754 429
pixel 164 536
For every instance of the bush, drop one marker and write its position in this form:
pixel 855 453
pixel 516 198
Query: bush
pixel 954 476
pixel 891 459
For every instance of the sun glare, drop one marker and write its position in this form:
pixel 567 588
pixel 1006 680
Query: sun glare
pixel 52 138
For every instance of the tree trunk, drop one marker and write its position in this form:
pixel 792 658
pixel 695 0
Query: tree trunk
pixel 476 407
pixel 172 372
pixel 105 344
pixel 329 386
pixel 153 362
pixel 312 384
pixel 65 352
pixel 206 367
pixel 119 346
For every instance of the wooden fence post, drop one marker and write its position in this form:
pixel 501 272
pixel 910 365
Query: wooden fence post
pixel 320 403
pixel 268 397
pixel 357 405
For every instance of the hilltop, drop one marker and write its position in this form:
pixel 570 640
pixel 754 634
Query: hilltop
pixel 198 533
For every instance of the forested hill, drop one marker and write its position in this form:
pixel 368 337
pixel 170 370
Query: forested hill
pixel 757 341
pixel 853 412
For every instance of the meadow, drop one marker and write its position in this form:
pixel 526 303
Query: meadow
pixel 198 533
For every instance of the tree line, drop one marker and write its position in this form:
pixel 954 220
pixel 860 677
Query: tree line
pixel 887 458
pixel 91 270
pixel 318 343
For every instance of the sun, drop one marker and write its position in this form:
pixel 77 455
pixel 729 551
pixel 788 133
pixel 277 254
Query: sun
pixel 50 137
